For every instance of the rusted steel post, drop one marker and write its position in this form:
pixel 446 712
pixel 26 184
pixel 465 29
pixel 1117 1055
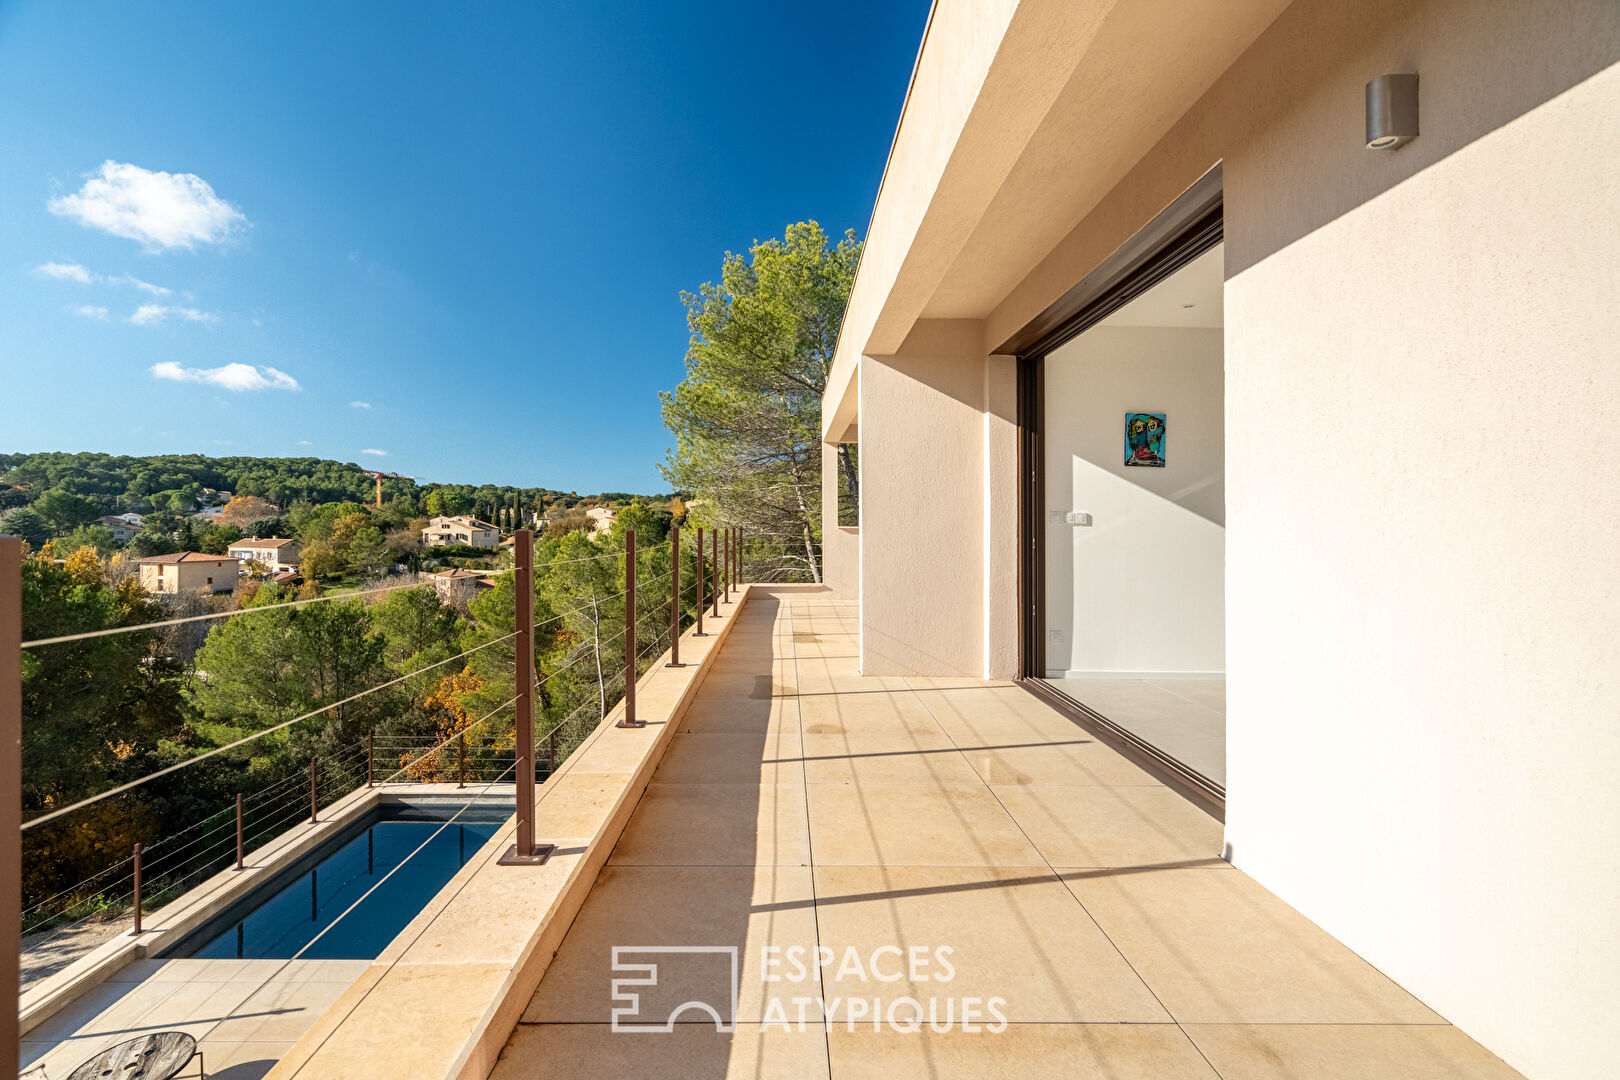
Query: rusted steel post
pixel 371 750
pixel 461 760
pixel 137 929
pixel 698 632
pixel 629 717
pixel 525 852
pixel 714 551
pixel 674 597
pixel 10 788
pixel 313 819
pixel 725 566
pixel 239 830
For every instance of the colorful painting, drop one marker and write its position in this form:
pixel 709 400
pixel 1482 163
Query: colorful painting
pixel 1144 439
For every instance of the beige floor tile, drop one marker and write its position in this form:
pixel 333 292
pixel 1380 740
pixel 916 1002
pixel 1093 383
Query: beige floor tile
pixel 902 758
pixel 280 1012
pixel 912 825
pixel 690 1052
pixel 717 712
pixel 1079 760
pixel 873 712
pixel 242 1061
pixel 994 716
pixel 1217 948
pixel 1020 1052
pixel 1346 1052
pixel 1012 933
pixel 750 686
pixel 1113 826
pixel 721 907
pixel 717 825
pixel 732 757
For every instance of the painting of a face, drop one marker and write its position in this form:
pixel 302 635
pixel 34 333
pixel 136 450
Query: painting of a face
pixel 1144 439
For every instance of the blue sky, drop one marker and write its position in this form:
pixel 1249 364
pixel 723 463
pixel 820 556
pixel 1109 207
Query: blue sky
pixel 460 230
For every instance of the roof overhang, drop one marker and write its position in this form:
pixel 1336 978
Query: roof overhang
pixel 1020 119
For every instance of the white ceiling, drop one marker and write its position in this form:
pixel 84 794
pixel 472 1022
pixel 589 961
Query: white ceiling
pixel 1198 283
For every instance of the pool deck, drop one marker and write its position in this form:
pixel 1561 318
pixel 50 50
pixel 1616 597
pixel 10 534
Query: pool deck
pixel 244 1014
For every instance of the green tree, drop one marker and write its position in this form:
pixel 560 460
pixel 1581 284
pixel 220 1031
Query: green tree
pixel 320 560
pixel 747 417
pixel 95 536
pixel 418 628
pixel 217 539
pixel 65 511
pixel 368 553
pixel 26 523
pixel 269 666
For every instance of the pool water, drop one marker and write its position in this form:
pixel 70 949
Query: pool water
pixel 287 914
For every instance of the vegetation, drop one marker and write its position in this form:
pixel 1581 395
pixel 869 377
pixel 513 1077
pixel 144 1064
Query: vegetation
pixel 102 711
pixel 747 417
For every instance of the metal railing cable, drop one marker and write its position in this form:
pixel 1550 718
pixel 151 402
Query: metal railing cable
pixel 159 623
pixel 234 612
pixel 42 818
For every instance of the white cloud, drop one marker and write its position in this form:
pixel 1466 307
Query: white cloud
pixel 159 210
pixel 89 311
pixel 144 286
pixel 305 442
pixel 375 453
pixel 236 377
pixel 153 314
pixel 65 272
pixel 359 404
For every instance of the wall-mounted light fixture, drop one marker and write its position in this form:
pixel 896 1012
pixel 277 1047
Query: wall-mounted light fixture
pixel 1392 111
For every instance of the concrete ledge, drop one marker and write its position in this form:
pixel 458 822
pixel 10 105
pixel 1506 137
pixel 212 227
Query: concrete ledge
pixel 164 927
pixel 442 999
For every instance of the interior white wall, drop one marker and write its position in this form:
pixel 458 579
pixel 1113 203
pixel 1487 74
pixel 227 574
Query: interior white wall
pixel 1141 589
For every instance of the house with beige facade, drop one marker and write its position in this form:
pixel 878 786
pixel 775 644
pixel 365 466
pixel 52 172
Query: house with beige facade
pixel 1245 329
pixel 123 530
pixel 188 571
pixel 274 553
pixel 444 531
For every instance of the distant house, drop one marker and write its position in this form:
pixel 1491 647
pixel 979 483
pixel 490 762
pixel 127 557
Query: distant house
pixel 213 497
pixel 274 553
pixel 122 530
pixel 455 586
pixel 602 519
pixel 133 519
pixel 189 571
pixel 443 531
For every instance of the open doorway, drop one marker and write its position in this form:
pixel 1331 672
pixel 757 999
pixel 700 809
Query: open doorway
pixel 1132 544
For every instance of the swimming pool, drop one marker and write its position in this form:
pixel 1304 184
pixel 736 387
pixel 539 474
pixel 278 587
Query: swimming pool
pixel 292 908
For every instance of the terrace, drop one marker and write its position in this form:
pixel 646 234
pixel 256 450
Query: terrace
pixel 1053 909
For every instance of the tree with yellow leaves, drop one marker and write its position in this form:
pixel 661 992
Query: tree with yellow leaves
pixel 84 567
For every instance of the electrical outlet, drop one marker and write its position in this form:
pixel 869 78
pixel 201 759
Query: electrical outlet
pixel 1055 636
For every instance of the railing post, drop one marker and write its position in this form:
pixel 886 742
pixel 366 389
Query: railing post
pixel 313 819
pixel 714 545
pixel 725 570
pixel 461 760
pixel 674 597
pixel 10 789
pixel 136 932
pixel 525 852
pixel 629 718
pixel 371 748
pixel 239 830
pixel 698 632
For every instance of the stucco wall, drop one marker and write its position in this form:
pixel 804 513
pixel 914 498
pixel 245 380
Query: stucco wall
pixel 1422 627
pixel 921 478
pixel 840 547
pixel 1139 590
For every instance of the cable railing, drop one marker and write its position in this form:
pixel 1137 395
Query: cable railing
pixel 74 919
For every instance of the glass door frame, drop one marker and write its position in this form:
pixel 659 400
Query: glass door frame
pixel 1188 228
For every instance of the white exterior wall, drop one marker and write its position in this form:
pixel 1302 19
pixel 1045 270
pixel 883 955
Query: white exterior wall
pixel 1424 725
